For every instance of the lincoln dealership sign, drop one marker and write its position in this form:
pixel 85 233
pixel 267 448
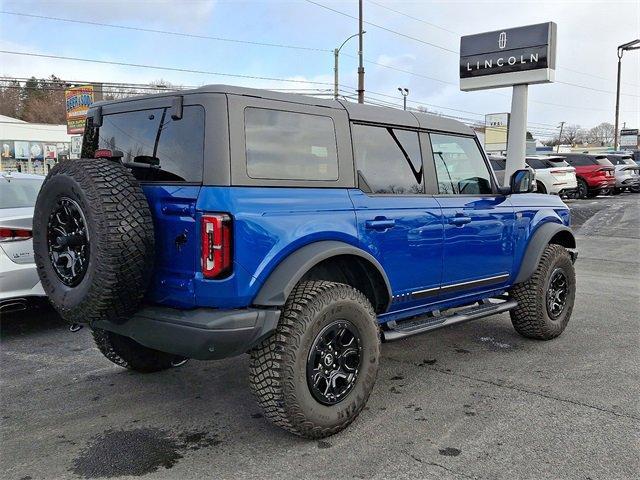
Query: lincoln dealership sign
pixel 513 56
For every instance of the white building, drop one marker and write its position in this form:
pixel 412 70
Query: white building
pixel 31 147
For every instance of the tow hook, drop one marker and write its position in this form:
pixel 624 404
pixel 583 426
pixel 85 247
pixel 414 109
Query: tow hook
pixel 75 327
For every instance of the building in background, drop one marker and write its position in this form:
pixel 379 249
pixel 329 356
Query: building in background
pixel 32 147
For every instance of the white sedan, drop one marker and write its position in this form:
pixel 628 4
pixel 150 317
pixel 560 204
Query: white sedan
pixel 553 175
pixel 19 282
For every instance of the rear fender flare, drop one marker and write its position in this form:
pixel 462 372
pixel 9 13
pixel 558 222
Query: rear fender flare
pixel 287 274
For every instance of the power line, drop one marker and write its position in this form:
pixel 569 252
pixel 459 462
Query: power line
pixel 165 32
pixel 171 69
pixel 412 17
pixel 383 28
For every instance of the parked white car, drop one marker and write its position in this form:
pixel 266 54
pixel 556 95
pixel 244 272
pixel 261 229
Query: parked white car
pixel 553 175
pixel 627 172
pixel 19 282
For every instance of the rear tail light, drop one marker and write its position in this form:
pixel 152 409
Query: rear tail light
pixel 216 245
pixel 14 234
pixel 556 172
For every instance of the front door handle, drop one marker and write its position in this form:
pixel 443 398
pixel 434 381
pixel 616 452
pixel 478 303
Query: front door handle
pixel 460 220
pixel 380 223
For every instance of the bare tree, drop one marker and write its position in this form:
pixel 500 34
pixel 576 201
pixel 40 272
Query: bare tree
pixel 10 98
pixel 572 135
pixel 602 134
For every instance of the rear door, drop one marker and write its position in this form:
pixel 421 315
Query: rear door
pixel 478 222
pixel 169 152
pixel 397 222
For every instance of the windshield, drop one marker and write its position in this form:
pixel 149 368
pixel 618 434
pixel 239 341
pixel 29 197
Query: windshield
pixel 19 192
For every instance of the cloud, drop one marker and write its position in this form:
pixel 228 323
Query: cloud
pixel 187 15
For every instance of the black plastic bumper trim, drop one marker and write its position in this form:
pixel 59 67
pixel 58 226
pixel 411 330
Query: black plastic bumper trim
pixel 203 333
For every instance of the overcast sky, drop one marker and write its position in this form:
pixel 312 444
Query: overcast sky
pixel 588 33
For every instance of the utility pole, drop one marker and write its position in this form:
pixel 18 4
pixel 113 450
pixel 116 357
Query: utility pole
pixel 404 92
pixel 633 45
pixel 560 137
pixel 360 61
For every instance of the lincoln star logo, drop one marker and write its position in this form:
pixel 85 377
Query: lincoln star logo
pixel 502 40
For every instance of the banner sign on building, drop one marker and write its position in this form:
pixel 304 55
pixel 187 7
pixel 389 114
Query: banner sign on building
pixel 496 126
pixel 513 56
pixel 78 100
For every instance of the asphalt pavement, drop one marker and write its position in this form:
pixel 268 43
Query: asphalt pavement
pixel 471 401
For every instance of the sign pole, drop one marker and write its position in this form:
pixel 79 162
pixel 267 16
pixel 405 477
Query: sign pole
pixel 517 146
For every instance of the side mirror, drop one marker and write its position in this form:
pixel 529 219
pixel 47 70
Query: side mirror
pixel 522 181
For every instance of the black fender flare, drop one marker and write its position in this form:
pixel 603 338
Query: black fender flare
pixel 539 241
pixel 287 274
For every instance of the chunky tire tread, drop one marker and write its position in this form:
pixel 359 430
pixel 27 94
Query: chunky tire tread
pixel 127 353
pixel 123 239
pixel 530 318
pixel 272 362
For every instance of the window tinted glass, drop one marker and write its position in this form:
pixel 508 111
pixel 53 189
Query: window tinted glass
pixel 19 192
pixel 497 164
pixel 290 146
pixel 388 159
pixel 580 160
pixel 459 165
pixel 604 161
pixel 151 137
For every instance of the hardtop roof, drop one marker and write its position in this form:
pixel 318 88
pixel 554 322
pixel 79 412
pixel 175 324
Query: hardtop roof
pixel 356 111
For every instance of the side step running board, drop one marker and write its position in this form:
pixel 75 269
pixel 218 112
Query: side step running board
pixel 406 328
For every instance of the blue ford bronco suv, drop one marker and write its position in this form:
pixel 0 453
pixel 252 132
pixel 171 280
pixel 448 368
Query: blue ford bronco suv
pixel 222 220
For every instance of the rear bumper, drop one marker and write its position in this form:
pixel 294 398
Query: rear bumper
pixel 203 333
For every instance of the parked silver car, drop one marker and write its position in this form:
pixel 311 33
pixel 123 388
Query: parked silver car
pixel 19 282
pixel 627 172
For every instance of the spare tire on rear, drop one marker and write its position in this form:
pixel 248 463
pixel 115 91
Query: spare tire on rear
pixel 93 240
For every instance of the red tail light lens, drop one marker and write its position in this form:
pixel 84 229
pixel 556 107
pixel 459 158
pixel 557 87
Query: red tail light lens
pixel 102 153
pixel 216 245
pixel 14 234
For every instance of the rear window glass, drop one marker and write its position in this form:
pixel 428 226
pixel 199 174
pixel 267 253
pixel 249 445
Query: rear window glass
pixel 581 160
pixel 290 146
pixel 621 160
pixel 604 161
pixel 173 149
pixel 537 163
pixel 19 192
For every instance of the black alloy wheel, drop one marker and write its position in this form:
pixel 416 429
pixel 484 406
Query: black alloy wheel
pixel 68 241
pixel 334 362
pixel 557 292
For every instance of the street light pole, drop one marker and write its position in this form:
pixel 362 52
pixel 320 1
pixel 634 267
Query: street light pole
pixel 336 54
pixel 360 60
pixel 404 92
pixel 633 45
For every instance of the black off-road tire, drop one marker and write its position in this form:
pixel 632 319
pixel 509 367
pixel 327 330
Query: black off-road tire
pixel 531 317
pixel 127 353
pixel 121 240
pixel 278 369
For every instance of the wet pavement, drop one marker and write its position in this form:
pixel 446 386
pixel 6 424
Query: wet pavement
pixel 472 401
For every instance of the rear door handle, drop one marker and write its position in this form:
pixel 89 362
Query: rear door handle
pixel 459 221
pixel 380 223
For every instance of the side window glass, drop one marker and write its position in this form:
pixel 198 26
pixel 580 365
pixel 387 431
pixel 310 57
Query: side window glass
pixel 389 159
pixel 290 146
pixel 460 167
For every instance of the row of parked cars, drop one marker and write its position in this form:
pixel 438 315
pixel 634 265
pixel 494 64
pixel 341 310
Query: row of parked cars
pixel 580 175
